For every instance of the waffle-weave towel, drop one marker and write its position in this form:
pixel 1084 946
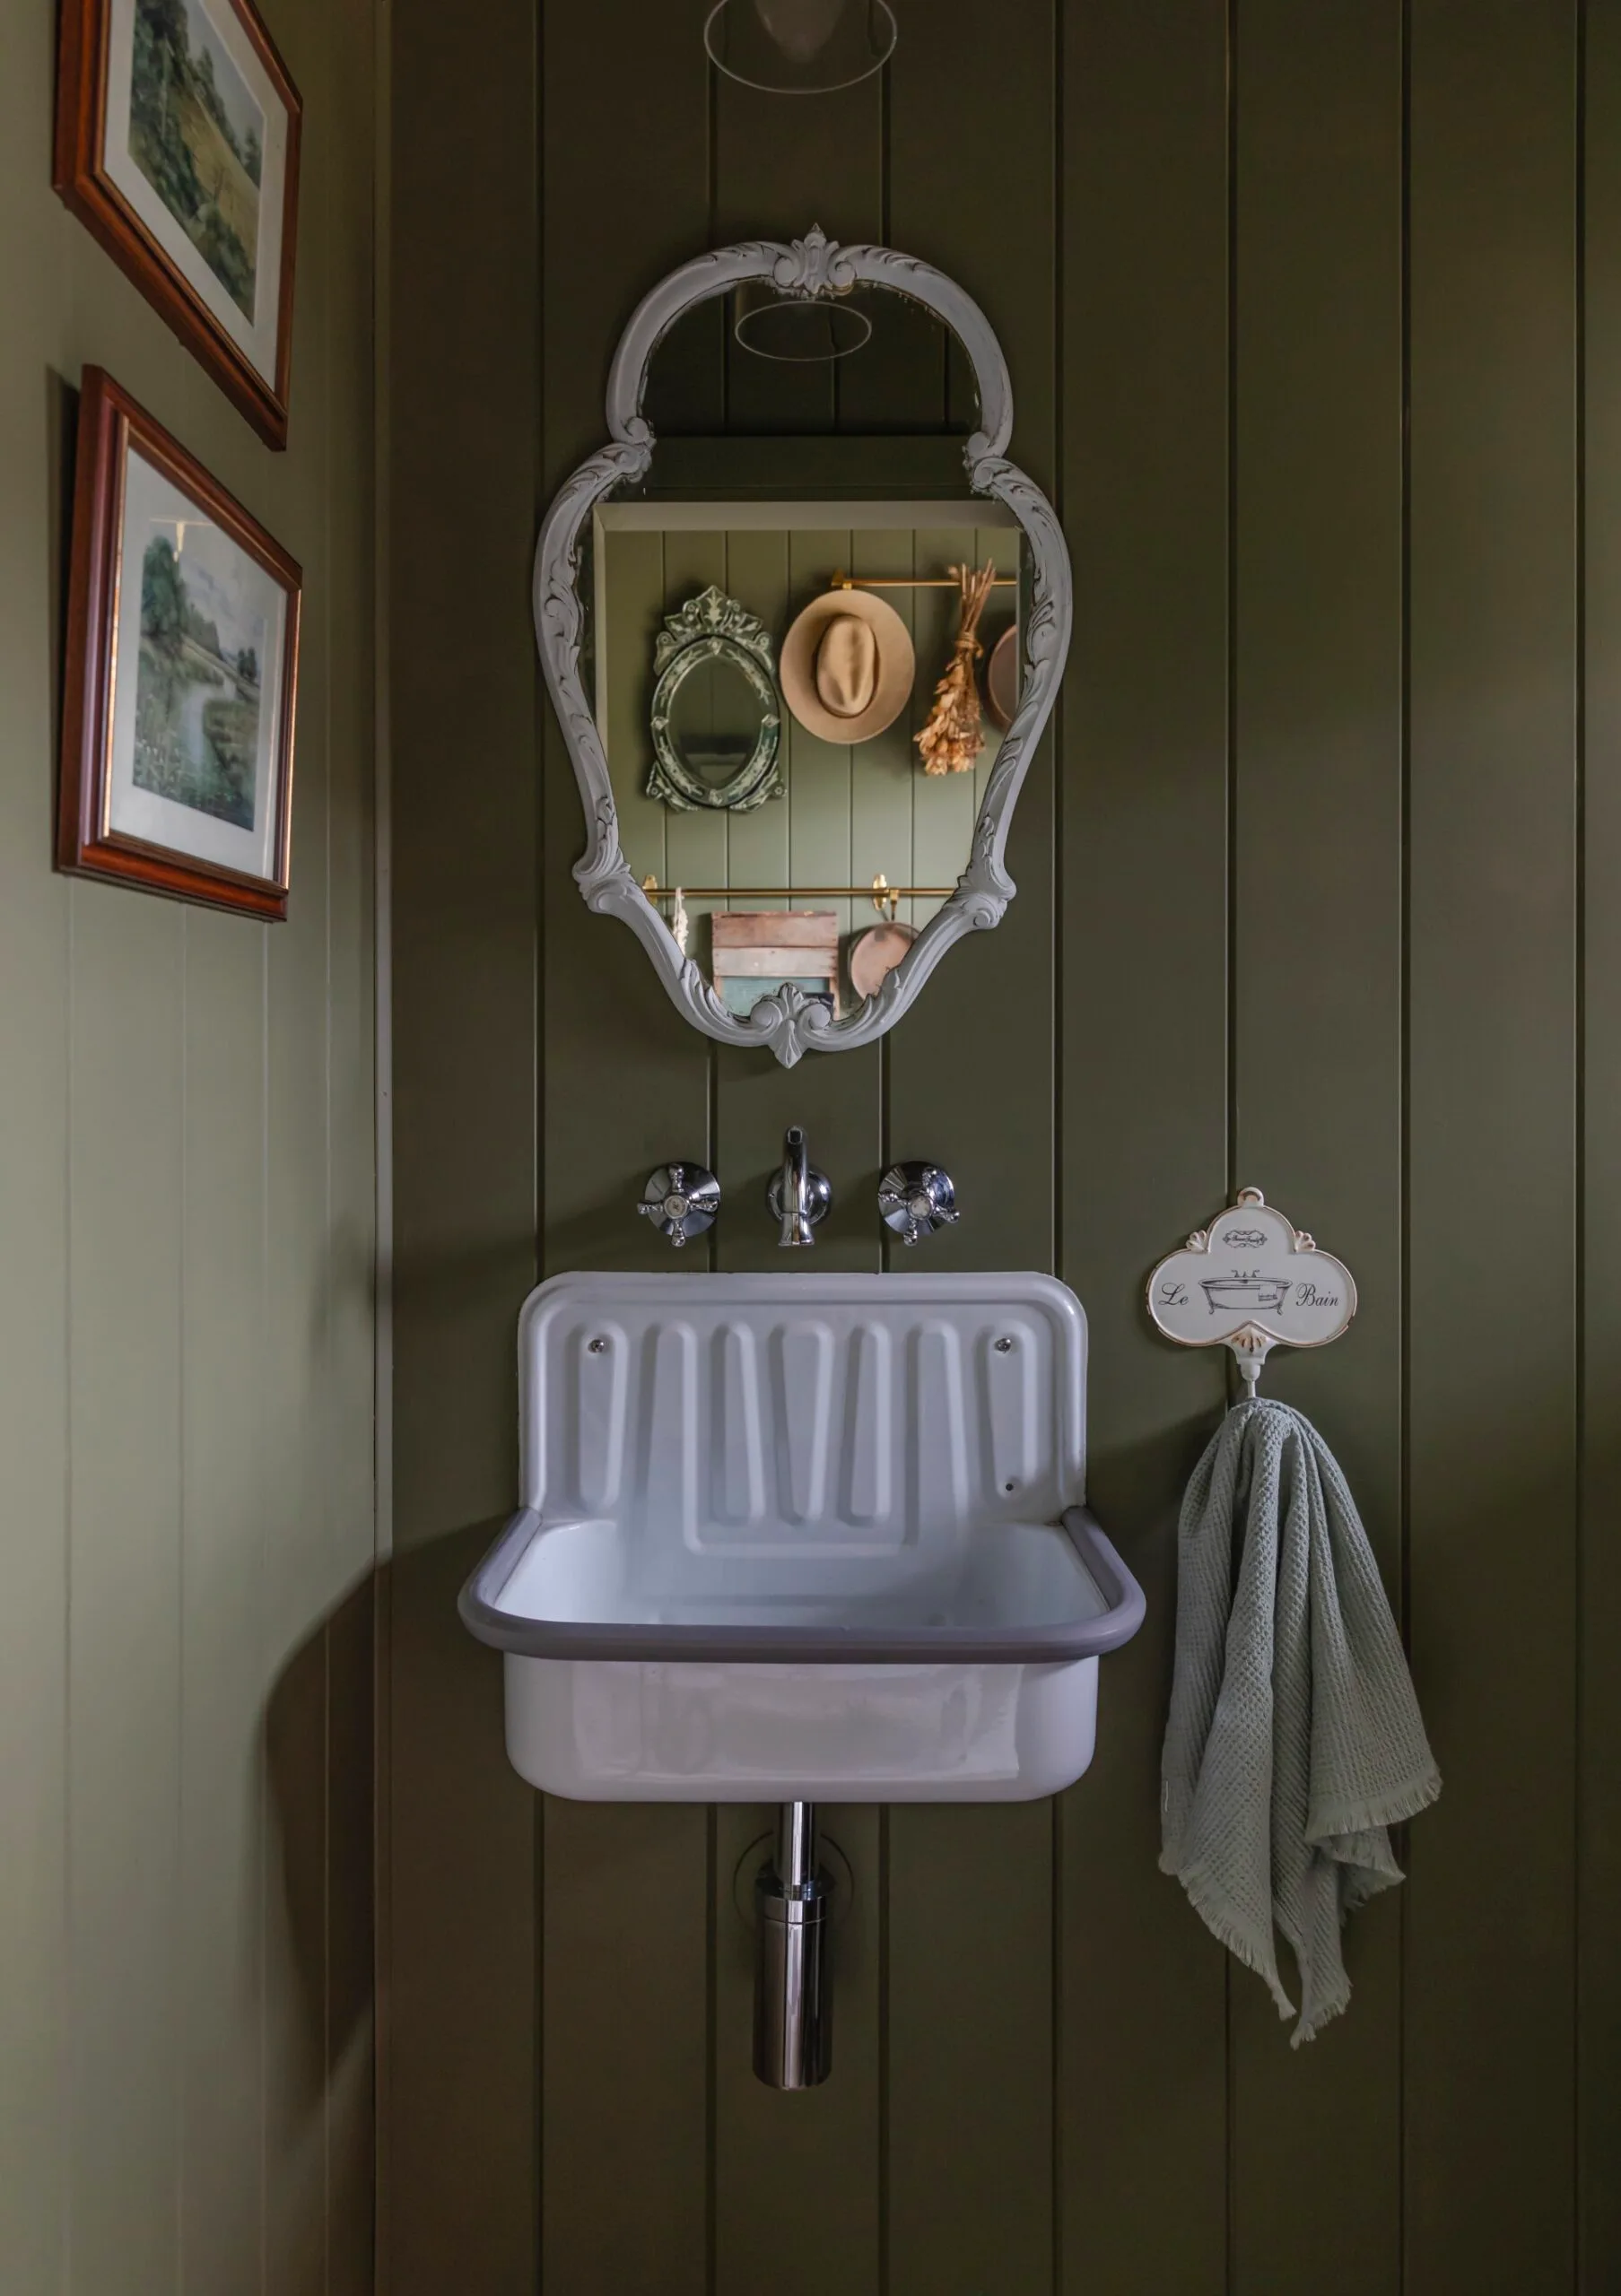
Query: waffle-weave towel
pixel 1294 1738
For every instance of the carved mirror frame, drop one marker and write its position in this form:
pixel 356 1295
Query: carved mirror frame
pixel 784 1021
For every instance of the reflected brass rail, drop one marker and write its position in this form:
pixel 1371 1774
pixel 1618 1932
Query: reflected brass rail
pixel 843 582
pixel 880 892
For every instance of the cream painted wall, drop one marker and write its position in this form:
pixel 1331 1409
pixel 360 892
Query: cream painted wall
pixel 187 1231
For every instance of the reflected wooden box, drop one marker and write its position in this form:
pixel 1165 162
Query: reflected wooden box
pixel 754 953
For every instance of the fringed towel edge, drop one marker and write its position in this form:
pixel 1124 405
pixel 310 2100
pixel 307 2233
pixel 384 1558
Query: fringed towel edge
pixel 1216 1909
pixel 1391 1808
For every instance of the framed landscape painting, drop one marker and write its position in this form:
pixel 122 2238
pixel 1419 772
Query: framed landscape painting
pixel 182 673
pixel 177 146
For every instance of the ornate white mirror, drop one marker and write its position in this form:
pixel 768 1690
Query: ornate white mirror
pixel 767 812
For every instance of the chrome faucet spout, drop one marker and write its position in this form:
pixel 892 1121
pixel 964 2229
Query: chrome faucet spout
pixel 795 1189
pixel 799 1195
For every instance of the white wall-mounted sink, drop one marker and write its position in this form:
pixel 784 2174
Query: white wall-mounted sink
pixel 809 1536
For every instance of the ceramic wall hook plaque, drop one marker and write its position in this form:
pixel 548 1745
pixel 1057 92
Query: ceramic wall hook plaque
pixel 1251 1282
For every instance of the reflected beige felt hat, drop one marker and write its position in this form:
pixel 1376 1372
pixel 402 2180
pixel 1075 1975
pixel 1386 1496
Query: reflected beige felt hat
pixel 847 666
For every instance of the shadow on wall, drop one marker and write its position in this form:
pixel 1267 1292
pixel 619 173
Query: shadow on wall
pixel 463 1838
pixel 321 1761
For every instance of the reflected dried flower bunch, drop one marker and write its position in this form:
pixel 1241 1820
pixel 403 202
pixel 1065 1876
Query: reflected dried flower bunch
pixel 954 737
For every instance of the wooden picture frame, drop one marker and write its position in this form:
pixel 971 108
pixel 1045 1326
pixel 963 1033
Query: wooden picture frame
pixel 176 144
pixel 181 679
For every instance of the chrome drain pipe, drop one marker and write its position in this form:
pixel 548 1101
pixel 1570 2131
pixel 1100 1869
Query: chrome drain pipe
pixel 793 1989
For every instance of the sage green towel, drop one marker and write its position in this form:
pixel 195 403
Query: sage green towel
pixel 1294 1738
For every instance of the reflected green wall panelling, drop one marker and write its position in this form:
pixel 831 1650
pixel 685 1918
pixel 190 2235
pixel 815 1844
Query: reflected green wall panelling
pixel 845 815
pixel 1300 905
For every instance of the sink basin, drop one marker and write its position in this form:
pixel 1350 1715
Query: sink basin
pixel 811 1536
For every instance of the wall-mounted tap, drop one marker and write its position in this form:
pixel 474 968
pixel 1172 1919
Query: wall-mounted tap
pixel 800 1194
pixel 681 1200
pixel 915 1199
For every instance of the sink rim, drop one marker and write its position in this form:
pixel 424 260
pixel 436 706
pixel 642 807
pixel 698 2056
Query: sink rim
pixel 1060 1642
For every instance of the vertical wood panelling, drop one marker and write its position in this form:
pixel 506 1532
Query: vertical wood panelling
pixel 462 411
pixel 1143 1117
pixel 626 1899
pixel 757 842
pixel 222 1901
pixel 1317 841
pixel 1493 1289
pixel 349 507
pixel 462 415
pixel 1050 2075
pixel 884 783
pixel 187 1461
pixel 461 2007
pixel 969 2081
pixel 969 2042
pixel 1599 1875
pixel 625 2048
pixel 124 1596
pixel 293 1467
pixel 820 773
pixel 34 1188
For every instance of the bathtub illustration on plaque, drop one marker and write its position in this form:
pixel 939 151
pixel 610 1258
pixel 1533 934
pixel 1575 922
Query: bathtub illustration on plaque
pixel 1277 1289
pixel 1250 1295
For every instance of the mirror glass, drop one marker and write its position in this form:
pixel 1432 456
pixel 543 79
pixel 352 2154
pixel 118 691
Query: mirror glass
pixel 714 723
pixel 850 798
pixel 801 642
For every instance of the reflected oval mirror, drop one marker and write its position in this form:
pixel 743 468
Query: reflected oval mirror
pixel 714 721
pixel 832 648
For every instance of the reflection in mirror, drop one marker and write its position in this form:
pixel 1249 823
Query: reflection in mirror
pixel 714 724
pixel 799 831
pixel 761 894
pixel 713 720
pixel 798 334
pixel 799 48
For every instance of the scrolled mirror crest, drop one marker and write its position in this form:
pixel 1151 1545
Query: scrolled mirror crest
pixel 784 1021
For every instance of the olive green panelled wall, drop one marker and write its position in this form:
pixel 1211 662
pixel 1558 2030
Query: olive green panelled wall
pixel 1313 316
pixel 187 1338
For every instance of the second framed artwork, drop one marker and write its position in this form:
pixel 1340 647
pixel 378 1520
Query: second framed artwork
pixel 177 146
pixel 182 673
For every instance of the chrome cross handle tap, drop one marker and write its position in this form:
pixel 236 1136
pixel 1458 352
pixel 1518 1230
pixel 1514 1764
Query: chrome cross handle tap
pixel 915 1199
pixel 799 1195
pixel 681 1200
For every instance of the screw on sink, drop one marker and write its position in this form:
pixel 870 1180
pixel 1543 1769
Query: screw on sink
pixel 596 1346
pixel 1003 1345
